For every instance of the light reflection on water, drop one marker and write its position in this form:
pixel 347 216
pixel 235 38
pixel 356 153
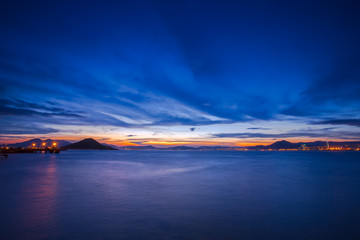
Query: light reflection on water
pixel 180 195
pixel 38 202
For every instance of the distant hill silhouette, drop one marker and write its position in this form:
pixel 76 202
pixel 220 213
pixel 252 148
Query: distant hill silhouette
pixel 181 148
pixel 147 147
pixel 284 145
pixel 38 142
pixel 110 145
pixel 88 143
pixel 288 145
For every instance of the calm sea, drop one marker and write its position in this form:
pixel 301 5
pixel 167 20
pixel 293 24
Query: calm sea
pixel 180 195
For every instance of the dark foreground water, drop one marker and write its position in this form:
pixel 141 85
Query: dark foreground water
pixel 180 195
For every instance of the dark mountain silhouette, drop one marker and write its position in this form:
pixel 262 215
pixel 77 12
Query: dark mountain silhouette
pixel 284 145
pixel 38 142
pixel 148 147
pixel 218 148
pixel 315 144
pixel 181 148
pixel 110 145
pixel 88 143
pixel 288 145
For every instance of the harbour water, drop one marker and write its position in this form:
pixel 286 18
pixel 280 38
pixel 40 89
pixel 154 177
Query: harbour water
pixel 180 195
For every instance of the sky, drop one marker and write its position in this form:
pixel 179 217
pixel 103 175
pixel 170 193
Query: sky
pixel 162 73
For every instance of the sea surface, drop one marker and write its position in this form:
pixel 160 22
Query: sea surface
pixel 180 195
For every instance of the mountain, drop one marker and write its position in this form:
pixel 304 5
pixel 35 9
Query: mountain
pixel 284 145
pixel 38 142
pixel 315 144
pixel 288 145
pixel 110 145
pixel 220 148
pixel 181 148
pixel 88 143
pixel 139 148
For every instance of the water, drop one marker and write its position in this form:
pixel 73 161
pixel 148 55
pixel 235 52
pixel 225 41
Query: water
pixel 180 195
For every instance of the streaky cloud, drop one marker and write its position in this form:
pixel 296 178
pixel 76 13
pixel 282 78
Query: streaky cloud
pixel 350 122
pixel 306 134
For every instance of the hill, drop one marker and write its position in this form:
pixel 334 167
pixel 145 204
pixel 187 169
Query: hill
pixel 181 148
pixel 88 143
pixel 110 145
pixel 284 145
pixel 139 148
pixel 288 145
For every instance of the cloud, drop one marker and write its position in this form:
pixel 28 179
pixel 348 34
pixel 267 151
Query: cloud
pixel 334 93
pixel 129 101
pixel 163 133
pixel 350 122
pixel 267 135
pixel 25 128
pixel 22 108
pixel 342 85
pixel 204 73
pixel 307 134
pixel 258 128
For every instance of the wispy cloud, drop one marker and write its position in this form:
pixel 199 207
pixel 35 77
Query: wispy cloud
pixel 300 134
pixel 17 107
pixel 335 93
pixel 25 128
pixel 214 68
pixel 350 122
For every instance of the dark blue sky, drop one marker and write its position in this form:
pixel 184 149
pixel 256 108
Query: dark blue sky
pixel 181 72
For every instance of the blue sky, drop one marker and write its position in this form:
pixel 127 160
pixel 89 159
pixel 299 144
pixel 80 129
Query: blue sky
pixel 180 72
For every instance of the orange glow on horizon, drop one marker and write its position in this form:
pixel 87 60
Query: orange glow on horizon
pixel 251 144
pixel 122 143
pixel 166 141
